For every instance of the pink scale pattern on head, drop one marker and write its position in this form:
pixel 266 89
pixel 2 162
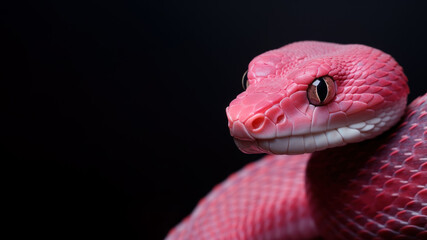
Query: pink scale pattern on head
pixel 365 80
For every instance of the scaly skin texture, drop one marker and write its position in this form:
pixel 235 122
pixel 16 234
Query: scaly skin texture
pixel 264 200
pixel 274 115
pixel 378 192
pixel 368 189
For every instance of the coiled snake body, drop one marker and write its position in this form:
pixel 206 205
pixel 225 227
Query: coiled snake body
pixel 367 177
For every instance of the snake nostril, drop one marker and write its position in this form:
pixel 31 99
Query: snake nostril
pixel 260 126
pixel 280 118
pixel 257 122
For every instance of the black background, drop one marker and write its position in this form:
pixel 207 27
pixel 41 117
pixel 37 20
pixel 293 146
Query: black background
pixel 114 121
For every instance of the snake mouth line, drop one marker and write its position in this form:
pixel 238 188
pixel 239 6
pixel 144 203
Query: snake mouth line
pixel 311 142
pixel 298 144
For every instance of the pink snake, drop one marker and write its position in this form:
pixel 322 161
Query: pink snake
pixel 367 177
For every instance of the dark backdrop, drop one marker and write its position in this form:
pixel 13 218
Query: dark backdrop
pixel 114 121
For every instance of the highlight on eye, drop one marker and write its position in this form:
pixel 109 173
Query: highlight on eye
pixel 245 80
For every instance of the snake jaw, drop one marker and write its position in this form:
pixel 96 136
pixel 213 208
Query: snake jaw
pixel 312 141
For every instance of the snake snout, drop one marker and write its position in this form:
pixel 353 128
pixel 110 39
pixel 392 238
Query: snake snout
pixel 256 126
pixel 260 126
pixel 254 114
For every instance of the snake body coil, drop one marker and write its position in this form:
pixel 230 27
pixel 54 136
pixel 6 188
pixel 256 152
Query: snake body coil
pixel 367 176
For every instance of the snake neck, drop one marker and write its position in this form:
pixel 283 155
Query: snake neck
pixel 371 183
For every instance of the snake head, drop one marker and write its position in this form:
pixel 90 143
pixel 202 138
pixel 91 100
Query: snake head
pixel 308 96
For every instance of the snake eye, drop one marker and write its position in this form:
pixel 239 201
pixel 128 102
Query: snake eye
pixel 245 81
pixel 321 91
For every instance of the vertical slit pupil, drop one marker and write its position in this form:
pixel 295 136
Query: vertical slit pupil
pixel 322 89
